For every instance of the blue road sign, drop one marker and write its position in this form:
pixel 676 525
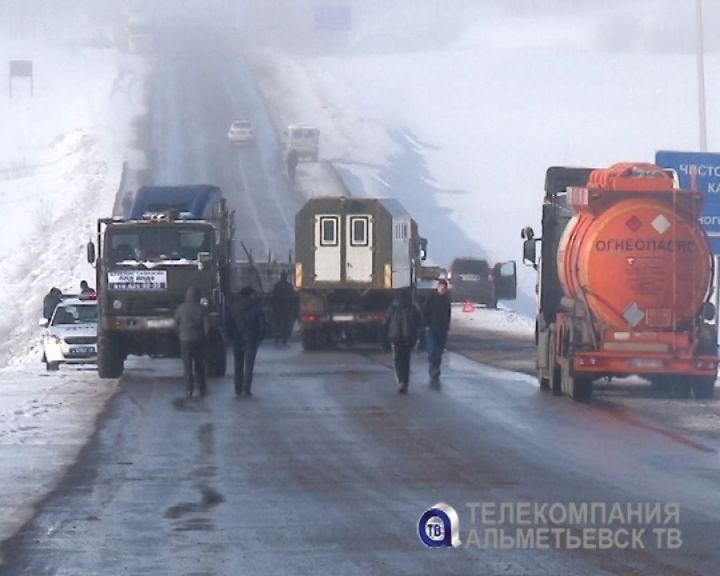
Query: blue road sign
pixel 701 171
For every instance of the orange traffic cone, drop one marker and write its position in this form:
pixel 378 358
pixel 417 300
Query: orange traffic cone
pixel 468 306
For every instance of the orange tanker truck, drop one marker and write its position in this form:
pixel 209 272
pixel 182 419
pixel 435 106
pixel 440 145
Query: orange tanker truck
pixel 624 280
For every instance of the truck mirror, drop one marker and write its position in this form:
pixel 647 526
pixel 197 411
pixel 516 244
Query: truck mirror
pixel 43 322
pixel 423 249
pixel 91 252
pixel 527 233
pixel 529 252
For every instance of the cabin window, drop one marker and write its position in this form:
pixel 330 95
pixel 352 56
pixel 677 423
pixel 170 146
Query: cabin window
pixel 328 231
pixel 359 231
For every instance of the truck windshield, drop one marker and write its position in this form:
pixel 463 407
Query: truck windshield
pixel 158 243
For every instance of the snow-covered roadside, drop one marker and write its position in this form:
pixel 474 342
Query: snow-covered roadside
pixel 61 158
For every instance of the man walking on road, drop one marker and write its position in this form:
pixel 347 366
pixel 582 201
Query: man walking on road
pixel 402 322
pixel 437 319
pixel 283 303
pixel 247 329
pixel 292 160
pixel 191 322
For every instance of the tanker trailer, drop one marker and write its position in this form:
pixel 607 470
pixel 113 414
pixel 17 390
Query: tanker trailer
pixel 624 280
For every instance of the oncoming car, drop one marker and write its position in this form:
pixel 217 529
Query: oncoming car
pixel 71 335
pixel 241 131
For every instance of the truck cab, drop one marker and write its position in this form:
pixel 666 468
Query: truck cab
pixel 144 268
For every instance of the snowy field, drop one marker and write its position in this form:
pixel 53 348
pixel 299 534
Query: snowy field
pixel 463 131
pixel 61 156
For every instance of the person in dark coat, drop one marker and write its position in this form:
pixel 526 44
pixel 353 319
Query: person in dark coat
pixel 437 320
pixel 292 159
pixel 50 302
pixel 402 322
pixel 191 322
pixel 247 329
pixel 85 288
pixel 282 300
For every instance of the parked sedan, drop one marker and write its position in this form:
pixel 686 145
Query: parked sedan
pixel 71 335
pixel 241 131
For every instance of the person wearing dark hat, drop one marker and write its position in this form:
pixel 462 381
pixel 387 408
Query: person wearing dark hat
pixel 247 329
pixel 437 319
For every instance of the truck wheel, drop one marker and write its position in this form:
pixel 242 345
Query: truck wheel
pixel 702 387
pixel 308 339
pixel 52 366
pixel 216 357
pixel 582 389
pixel 110 359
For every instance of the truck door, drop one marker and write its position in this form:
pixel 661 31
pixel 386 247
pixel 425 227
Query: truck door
pixel 505 278
pixel 327 248
pixel 358 248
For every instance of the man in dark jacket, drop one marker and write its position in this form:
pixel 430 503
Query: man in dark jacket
pixel 50 302
pixel 283 303
pixel 85 288
pixel 247 329
pixel 402 323
pixel 191 321
pixel 437 320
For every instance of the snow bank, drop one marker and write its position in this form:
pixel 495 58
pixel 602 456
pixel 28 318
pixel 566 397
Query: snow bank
pixel 61 158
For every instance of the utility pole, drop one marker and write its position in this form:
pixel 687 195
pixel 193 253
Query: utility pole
pixel 702 123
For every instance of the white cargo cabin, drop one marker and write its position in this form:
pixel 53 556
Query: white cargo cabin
pixel 369 242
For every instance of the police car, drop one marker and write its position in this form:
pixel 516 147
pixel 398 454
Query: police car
pixel 71 335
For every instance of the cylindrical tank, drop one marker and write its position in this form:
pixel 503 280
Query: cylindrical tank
pixel 639 264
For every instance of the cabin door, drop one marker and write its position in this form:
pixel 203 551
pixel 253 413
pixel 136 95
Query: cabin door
pixel 358 248
pixel 328 260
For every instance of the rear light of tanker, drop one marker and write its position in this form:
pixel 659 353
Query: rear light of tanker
pixel 590 361
pixel 705 365
pixel 308 318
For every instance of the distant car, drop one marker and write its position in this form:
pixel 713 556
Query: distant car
pixel 71 335
pixel 304 139
pixel 241 131
pixel 472 279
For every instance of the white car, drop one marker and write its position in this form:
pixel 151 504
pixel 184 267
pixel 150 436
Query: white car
pixel 241 131
pixel 71 335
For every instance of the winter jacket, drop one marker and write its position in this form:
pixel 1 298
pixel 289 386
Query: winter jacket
pixel 283 296
pixel 191 319
pixel 247 321
pixel 50 302
pixel 403 322
pixel 437 313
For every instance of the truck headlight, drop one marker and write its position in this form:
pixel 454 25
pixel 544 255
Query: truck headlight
pixel 117 304
pixel 204 302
